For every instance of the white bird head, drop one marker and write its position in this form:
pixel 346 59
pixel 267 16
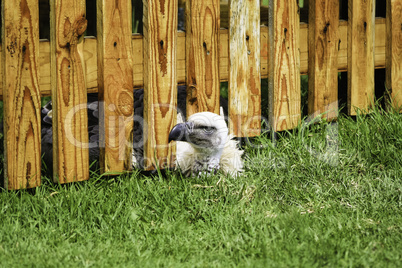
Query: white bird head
pixel 207 134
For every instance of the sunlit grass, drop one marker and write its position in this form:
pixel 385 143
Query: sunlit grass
pixel 325 194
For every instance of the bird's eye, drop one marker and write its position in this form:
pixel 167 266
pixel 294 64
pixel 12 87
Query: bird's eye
pixel 208 131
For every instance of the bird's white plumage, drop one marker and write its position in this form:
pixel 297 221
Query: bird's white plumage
pixel 226 153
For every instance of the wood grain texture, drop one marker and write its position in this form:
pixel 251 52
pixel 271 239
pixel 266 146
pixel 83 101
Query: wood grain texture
pixel 90 56
pixel 225 20
pixel 70 123
pixel 244 71
pixel 323 58
pixel 160 84
pixel 115 82
pixel 284 65
pixel 202 56
pixel 20 61
pixel 394 53
pixel 361 23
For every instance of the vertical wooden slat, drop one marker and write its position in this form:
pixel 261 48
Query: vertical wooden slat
pixel 323 58
pixel 160 82
pixel 361 21
pixel 115 83
pixel 20 62
pixel 284 65
pixel 70 123
pixel 394 53
pixel 245 69
pixel 202 56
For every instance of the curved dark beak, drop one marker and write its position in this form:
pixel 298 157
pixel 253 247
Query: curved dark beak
pixel 180 132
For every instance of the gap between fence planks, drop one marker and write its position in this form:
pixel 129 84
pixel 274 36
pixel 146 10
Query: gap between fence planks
pixel 115 82
pixel 160 82
pixel 323 55
pixel 284 65
pixel 361 23
pixel 244 72
pixel 394 53
pixel 202 53
pixel 90 56
pixel 69 98
pixel 20 60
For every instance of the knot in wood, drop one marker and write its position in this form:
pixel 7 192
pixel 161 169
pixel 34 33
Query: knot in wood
pixel 81 26
pixel 125 103
pixel 326 28
pixel 72 31
pixel 11 48
pixel 192 89
pixel 192 93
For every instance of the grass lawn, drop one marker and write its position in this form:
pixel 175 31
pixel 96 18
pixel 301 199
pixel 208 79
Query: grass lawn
pixel 322 195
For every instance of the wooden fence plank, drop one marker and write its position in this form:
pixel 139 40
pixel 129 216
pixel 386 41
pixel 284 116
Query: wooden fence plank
pixel 244 71
pixel 160 90
pixel 202 54
pixel 90 56
pixel 323 56
pixel 361 23
pixel 115 82
pixel 20 61
pixel 69 98
pixel 284 65
pixel 394 53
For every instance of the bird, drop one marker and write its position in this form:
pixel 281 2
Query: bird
pixel 225 157
pixel 204 146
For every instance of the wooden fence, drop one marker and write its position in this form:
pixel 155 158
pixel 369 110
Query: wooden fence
pixel 115 61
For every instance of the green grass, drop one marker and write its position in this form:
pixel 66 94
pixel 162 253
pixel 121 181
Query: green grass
pixel 322 195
